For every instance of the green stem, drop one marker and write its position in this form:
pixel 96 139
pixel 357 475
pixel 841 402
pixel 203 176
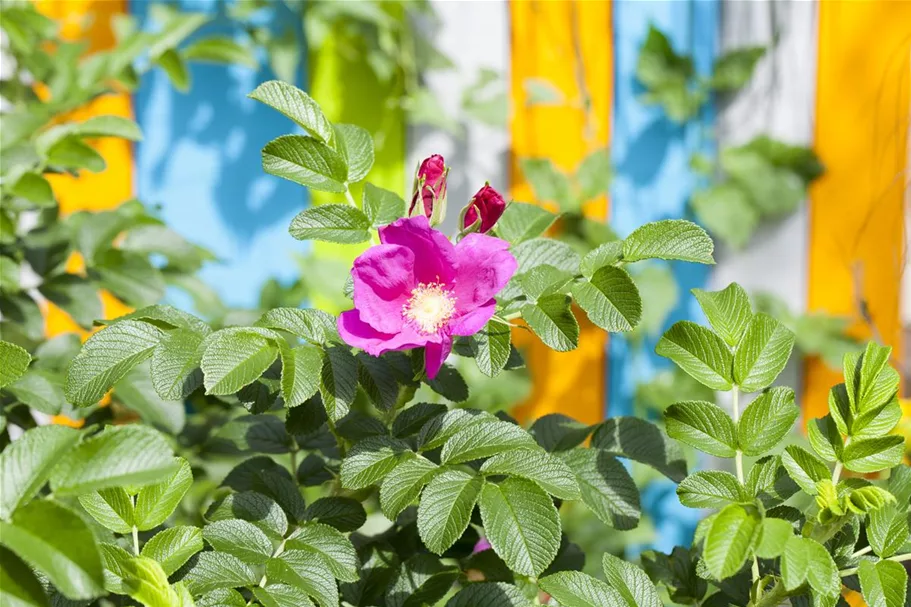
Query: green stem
pixel 862 552
pixel 135 529
pixel 294 463
pixel 836 472
pixel 898 558
pixel 738 456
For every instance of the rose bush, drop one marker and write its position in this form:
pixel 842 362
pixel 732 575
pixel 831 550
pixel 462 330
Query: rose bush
pixel 316 470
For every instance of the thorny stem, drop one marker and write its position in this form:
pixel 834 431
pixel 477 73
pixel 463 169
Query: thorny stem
pixel 738 456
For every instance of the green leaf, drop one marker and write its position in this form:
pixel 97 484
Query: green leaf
pixel 874 454
pixel 252 433
pixel 805 560
pixel 412 419
pixel 296 105
pixel 491 348
pixel 173 547
pixel 378 380
pixel 675 239
pixel 610 298
pixel 488 594
pixel 328 542
pixel 403 484
pixel 254 507
pixel 117 456
pixel 142 578
pixel 155 503
pixel 887 530
pixel 521 222
pixel 227 598
pixel 13 363
pixel 129 276
pixel 112 508
pixel 594 174
pixel 734 68
pixel 607 488
pixel 218 570
pixel 630 582
pixel 236 357
pixel 557 432
pixel 804 468
pixel 711 489
pixel 642 441
pixel 440 429
pixel 884 584
pixel 702 425
pixel 338 384
pixel 825 438
pixel 547 471
pixel 449 384
pixel 301 372
pixel 306 570
pixel 355 145
pixel 26 464
pixel 773 537
pixel 522 524
pixel 728 311
pixel 551 318
pixel 71 153
pixel 543 280
pixel 135 392
pixel 106 357
pixel 220 49
pixel 469 444
pixel 769 481
pixel 762 354
pixel 421 580
pixel 331 223
pixel 239 538
pixel 730 539
pixel 370 460
pixel 699 352
pixel 166 317
pixel 877 382
pixel 877 420
pixel 726 210
pixel 57 542
pixel 767 420
pixel 315 326
pixel 343 513
pixel 606 254
pixel 445 508
pixel 382 207
pixel 545 251
pixel 547 181
pixel 175 364
pixel 109 126
pixel 542 92
pixel 76 295
pixel 577 589
pixel 18 585
pixel 280 595
pixel 306 161
pixel 34 188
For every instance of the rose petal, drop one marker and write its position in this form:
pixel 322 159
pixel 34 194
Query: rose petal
pixel 434 255
pixel 358 334
pixel 383 280
pixel 474 321
pixel 435 354
pixel 484 266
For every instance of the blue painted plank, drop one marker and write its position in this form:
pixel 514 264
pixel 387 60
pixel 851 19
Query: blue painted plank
pixel 200 161
pixel 653 181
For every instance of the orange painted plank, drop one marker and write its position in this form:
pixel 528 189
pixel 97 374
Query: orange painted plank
pixel 548 38
pixel 856 208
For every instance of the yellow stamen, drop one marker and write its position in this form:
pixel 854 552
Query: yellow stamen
pixel 429 307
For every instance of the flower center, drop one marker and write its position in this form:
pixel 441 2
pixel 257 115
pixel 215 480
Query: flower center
pixel 429 307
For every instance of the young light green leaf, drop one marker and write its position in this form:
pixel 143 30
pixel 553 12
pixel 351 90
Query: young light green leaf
pixel 805 560
pixel 355 145
pixel 381 206
pixel 239 538
pixel 702 425
pixel 112 508
pixel 403 484
pixel 155 503
pixel 610 298
pixel 522 524
pixel 331 223
pixel 699 352
pixel 730 539
pixel 338 382
pixel 27 463
pixel 762 354
pixel 876 382
pixel 222 50
pixel 57 542
pixel 884 584
pixel 769 481
pixel 120 455
pixel 606 254
pixel 804 468
pixel 773 537
pixel 109 126
pixel 577 589
pixel 549 183
pixel 887 530
pixel 296 105
pixel 874 454
pixel 606 487
pixel 545 251
pixel 594 174
pixel 491 348
pixel 469 444
pixel 547 471
pixel 315 326
pixel 218 570
pixel 106 357
pixel 328 542
pixel 630 582
pixel 371 460
pixel 711 489
pixel 13 363
pixel 279 595
pixel 41 390
pixel 236 357
pixel 728 311
pixel 175 364
pixel 306 570
pixel 440 429
pixel 521 222
pixel 173 547
pixel 552 319
pixel 445 508
pixel 301 372
pixel 306 161
pixel 676 239
pixel 766 421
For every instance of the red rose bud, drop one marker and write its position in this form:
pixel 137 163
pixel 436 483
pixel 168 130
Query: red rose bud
pixel 487 204
pixel 430 189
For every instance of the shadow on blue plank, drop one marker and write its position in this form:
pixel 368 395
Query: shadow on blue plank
pixel 653 182
pixel 200 161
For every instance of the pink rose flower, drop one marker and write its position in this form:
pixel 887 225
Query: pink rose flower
pixel 417 289
pixel 489 205
pixel 429 187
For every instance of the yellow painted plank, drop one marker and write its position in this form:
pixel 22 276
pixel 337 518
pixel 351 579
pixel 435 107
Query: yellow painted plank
pixel 551 41
pixel 856 208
